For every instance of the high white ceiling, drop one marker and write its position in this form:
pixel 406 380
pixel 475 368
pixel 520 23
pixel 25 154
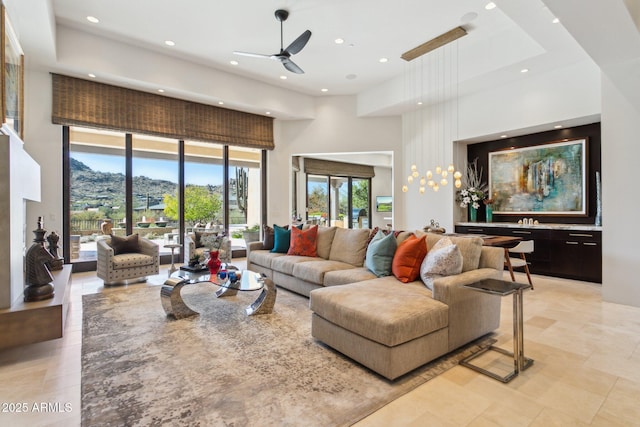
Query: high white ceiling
pixel 517 34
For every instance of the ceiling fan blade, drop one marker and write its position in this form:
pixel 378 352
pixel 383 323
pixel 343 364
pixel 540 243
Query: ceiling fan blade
pixel 253 55
pixel 298 43
pixel 291 66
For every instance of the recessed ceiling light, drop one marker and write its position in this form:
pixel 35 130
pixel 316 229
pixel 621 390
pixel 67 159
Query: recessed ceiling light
pixel 557 126
pixel 555 20
pixel 383 60
pixel 220 103
pixel 419 102
pixel 468 17
pixel 161 90
pixel 283 77
pixel 233 62
pixel 490 5
pixel 268 113
pixel 524 70
pixel 324 89
pixel 351 77
pixel 339 41
pixel 503 136
pixel 93 76
pixel 93 19
pixel 169 42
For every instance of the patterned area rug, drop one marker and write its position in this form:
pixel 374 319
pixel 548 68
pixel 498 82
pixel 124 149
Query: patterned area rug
pixel 223 368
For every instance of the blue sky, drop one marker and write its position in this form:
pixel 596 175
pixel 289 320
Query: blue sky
pixel 195 173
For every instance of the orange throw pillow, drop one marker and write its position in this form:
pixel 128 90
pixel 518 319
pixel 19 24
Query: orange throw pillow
pixel 408 258
pixel 303 242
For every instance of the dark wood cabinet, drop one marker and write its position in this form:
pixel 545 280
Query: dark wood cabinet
pixel 572 254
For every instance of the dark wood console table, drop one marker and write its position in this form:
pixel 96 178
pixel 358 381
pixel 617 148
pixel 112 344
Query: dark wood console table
pixel 561 250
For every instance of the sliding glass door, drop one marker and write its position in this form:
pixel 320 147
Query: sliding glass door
pixel 214 197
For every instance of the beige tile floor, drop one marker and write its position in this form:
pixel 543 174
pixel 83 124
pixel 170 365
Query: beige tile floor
pixel 586 370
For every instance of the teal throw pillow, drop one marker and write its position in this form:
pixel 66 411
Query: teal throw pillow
pixel 281 239
pixel 380 254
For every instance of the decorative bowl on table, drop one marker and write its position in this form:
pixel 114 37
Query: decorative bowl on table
pixel 144 224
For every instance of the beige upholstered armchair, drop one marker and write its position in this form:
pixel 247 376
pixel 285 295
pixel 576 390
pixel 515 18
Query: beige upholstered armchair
pixel 128 264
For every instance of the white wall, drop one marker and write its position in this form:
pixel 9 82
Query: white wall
pixel 43 141
pixel 381 185
pixel 336 129
pixel 621 234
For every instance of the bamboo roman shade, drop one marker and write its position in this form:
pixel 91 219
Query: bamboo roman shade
pixel 329 167
pixel 86 103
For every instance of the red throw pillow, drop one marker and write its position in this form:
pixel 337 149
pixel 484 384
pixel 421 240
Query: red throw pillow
pixel 303 242
pixel 408 258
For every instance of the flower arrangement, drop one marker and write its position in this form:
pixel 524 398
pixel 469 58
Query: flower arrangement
pixel 475 190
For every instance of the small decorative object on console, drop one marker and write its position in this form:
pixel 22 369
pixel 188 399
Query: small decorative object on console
pixel 434 227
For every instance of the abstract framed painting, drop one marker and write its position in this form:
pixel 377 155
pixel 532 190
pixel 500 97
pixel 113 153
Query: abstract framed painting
pixel 547 179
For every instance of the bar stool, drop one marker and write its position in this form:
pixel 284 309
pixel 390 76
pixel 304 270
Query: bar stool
pixel 522 248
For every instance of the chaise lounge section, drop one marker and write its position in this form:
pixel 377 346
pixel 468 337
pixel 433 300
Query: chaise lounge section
pixel 386 325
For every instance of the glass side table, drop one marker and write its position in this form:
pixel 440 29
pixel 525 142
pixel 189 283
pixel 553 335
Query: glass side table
pixel 520 362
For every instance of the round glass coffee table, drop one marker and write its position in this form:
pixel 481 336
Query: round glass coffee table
pixel 246 280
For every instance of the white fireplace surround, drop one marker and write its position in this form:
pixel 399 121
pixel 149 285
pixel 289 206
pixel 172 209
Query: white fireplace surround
pixel 22 174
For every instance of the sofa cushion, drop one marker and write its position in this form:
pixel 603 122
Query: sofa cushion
pixel 281 239
pixel 380 254
pixel 408 258
pixel 470 248
pixel 382 310
pixel 263 257
pixel 130 260
pixel 314 271
pixel 324 241
pixel 343 277
pixel 285 264
pixel 303 242
pixel 350 246
pixel 125 245
pixel 443 259
pixel 199 235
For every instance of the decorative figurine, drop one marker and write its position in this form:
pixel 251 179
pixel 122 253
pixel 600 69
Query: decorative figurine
pixel 57 262
pixel 38 276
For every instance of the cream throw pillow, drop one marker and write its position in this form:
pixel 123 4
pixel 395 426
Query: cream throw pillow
pixel 444 259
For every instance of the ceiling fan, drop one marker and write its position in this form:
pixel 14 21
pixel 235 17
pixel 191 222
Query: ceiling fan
pixel 285 54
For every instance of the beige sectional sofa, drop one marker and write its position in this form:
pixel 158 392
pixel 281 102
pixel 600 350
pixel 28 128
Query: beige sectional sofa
pixel 389 326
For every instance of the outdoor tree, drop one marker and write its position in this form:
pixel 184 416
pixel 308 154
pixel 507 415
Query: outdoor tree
pixel 360 194
pixel 317 200
pixel 200 205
